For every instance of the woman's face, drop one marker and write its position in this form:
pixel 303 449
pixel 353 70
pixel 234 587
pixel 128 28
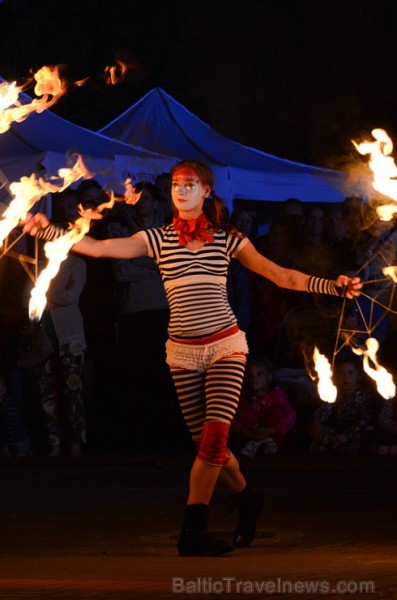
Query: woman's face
pixel 188 193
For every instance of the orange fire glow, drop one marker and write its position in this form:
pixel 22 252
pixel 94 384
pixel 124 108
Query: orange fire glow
pixel 28 190
pixel 130 195
pixel 115 74
pixel 384 170
pixel 56 252
pixel 383 379
pixel 326 389
pixel 390 272
pixel 49 86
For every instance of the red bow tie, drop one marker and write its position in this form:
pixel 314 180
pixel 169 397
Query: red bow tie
pixel 192 229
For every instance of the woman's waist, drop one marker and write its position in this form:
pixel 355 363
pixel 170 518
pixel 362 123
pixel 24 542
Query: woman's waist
pixel 206 339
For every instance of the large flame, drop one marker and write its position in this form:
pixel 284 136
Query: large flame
pixel 49 86
pixel 56 252
pixel 28 190
pixel 383 379
pixel 384 170
pixel 326 389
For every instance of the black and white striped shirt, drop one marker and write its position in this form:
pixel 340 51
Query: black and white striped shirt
pixel 195 281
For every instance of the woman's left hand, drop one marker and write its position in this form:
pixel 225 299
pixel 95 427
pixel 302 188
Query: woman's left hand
pixel 351 286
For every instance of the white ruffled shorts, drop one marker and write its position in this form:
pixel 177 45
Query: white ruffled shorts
pixel 199 358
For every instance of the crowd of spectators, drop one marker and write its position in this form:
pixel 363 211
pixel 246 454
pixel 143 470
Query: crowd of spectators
pixel 106 389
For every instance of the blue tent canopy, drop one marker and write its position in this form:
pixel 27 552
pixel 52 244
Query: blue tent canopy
pixel 159 123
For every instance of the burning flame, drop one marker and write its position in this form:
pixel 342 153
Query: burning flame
pixel 28 190
pixel 130 195
pixel 56 252
pixel 384 170
pixel 390 272
pixel 8 95
pixel 383 379
pixel 326 389
pixel 116 73
pixel 49 85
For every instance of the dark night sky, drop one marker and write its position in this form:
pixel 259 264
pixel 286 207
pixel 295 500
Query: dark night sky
pixel 298 79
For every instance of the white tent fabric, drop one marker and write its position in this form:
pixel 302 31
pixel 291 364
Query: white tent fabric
pixel 47 137
pixel 159 123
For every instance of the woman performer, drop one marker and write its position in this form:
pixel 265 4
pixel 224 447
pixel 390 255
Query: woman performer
pixel 206 351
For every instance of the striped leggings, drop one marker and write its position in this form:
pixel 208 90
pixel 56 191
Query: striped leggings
pixel 212 395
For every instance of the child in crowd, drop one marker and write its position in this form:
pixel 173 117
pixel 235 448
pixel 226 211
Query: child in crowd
pixel 386 438
pixel 265 418
pixel 347 425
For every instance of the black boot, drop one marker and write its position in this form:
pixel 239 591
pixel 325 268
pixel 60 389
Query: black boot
pixel 193 539
pixel 250 505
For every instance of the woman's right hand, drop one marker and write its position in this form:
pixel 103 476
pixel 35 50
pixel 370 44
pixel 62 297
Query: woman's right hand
pixel 32 224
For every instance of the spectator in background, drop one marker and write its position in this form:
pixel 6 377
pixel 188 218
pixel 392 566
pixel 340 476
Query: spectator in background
pixel 385 441
pixel 148 209
pixel 163 190
pixel 313 225
pixel 294 208
pixel 60 377
pixel 65 206
pixel 91 194
pixel 313 254
pixel 357 216
pixel 99 308
pixel 271 303
pixel 14 436
pixel 265 418
pixel 347 425
pixel 151 415
pixel 290 211
pixel 338 242
pixel 239 279
pixel 246 221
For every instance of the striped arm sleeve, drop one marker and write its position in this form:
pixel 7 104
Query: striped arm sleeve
pixel 319 285
pixel 51 232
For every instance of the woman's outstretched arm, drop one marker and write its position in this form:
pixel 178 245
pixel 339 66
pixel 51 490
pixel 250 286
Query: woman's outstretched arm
pixel 130 247
pixel 296 280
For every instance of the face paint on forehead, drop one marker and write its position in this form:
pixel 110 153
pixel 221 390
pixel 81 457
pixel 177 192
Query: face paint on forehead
pixel 186 174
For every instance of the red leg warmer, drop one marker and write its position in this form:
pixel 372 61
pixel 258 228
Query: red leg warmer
pixel 212 447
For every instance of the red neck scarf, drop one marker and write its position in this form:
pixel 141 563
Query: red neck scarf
pixel 192 229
